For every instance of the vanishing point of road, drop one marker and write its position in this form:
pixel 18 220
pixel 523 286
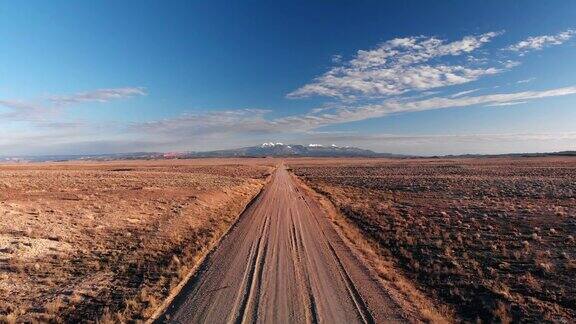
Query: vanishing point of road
pixel 283 262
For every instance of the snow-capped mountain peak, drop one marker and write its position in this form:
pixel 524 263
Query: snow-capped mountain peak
pixel 272 144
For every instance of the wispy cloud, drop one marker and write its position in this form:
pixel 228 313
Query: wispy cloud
pixel 254 121
pixel 99 95
pixel 224 121
pixel 504 104
pixel 463 93
pixel 238 127
pixel 398 66
pixel 540 42
pixel 40 109
pixel 400 106
pixel 420 138
pixel 18 104
pixel 402 75
pixel 510 64
pixel 526 80
pixel 23 110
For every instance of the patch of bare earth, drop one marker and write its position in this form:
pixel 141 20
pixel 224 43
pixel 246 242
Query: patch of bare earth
pixel 490 239
pixel 109 241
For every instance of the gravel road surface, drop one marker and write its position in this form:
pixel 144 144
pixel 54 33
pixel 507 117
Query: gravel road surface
pixel 283 262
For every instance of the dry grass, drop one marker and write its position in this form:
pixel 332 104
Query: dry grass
pixel 403 291
pixel 492 239
pixel 108 242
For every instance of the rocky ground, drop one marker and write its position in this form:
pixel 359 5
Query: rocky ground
pixel 491 239
pixel 109 241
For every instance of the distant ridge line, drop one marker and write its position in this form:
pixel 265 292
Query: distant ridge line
pixel 265 150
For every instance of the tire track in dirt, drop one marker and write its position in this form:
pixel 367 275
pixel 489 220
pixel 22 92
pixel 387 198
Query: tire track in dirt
pixel 283 262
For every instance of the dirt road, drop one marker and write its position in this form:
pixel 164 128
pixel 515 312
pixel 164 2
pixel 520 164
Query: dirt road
pixel 282 262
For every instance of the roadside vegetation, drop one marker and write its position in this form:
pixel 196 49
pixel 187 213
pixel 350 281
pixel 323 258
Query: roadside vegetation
pixel 108 242
pixel 490 239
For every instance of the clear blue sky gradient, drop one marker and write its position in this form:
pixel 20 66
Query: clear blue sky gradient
pixel 197 57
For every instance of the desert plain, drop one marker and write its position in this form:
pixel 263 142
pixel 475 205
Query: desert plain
pixel 107 241
pixel 487 239
pixel 450 240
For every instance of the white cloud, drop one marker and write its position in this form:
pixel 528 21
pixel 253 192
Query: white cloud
pixel 254 121
pixel 395 106
pixel 399 76
pixel 18 104
pixel 398 66
pixel 392 81
pixel 463 93
pixel 504 104
pixel 395 67
pixel 37 110
pixel 510 64
pixel 526 80
pixel 540 42
pixel 22 110
pixel 99 95
pixel 477 60
pixel 400 106
pixel 240 127
pixel 411 50
pixel 225 121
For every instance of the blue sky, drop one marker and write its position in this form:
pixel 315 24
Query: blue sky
pixel 416 77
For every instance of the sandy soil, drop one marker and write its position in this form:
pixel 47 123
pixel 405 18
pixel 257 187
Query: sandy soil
pixel 284 263
pixel 490 239
pixel 108 241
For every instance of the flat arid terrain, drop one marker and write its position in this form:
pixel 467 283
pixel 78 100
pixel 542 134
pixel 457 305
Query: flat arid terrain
pixel 302 240
pixel 109 241
pixel 488 239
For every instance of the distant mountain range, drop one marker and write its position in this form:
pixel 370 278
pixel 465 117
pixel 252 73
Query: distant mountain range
pixel 264 150
pixel 285 150
pixel 83 157
pixel 562 153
